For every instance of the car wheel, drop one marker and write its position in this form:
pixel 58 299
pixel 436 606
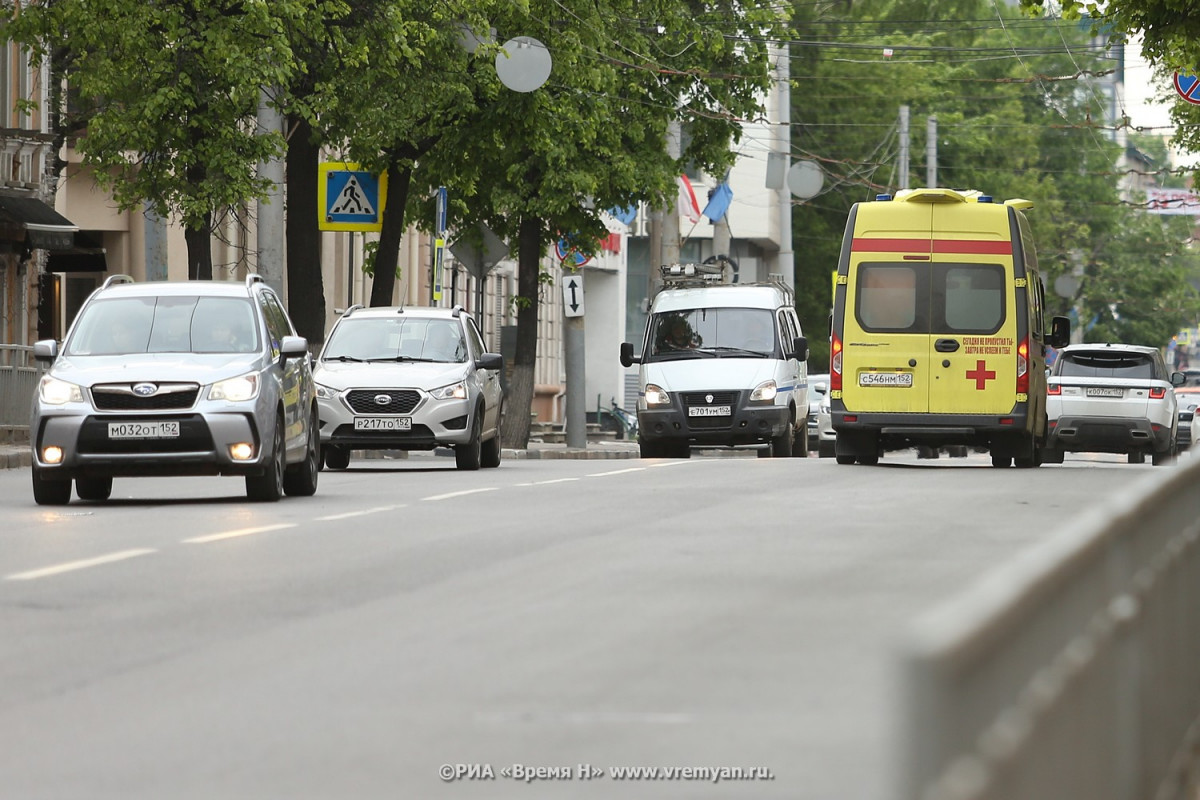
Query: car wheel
pixel 469 455
pixel 337 457
pixel 300 480
pixel 50 492
pixel 1053 455
pixel 1137 457
pixel 825 450
pixel 650 449
pixel 1164 457
pixel 268 487
pixel 490 456
pixel 1001 461
pixel 781 446
pixel 800 441
pixel 97 489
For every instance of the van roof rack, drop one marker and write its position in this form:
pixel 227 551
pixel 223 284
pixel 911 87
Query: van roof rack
pixel 253 278
pixel 693 274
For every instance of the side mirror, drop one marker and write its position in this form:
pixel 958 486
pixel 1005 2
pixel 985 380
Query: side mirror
pixel 822 387
pixel 1178 379
pixel 45 350
pixel 628 359
pixel 490 361
pixel 800 348
pixel 1060 332
pixel 293 347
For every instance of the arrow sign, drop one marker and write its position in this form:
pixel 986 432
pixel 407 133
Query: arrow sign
pixel 573 296
pixel 1188 87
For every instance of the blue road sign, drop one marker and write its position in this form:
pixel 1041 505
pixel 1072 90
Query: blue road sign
pixel 1188 86
pixel 350 199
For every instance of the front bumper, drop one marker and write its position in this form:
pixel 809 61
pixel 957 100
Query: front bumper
pixel 202 447
pixel 746 424
pixel 434 423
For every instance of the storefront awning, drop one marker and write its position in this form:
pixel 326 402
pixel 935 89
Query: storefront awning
pixel 44 228
pixel 86 256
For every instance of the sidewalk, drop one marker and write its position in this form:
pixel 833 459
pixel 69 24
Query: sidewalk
pixel 15 456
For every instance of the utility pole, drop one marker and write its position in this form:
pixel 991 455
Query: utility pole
pixel 786 264
pixel 903 166
pixel 931 135
pixel 271 220
pixel 670 227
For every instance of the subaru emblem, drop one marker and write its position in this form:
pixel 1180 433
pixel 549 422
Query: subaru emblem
pixel 708 398
pixel 144 389
pixel 383 399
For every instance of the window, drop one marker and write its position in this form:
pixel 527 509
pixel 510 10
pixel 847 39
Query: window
pixel 888 299
pixel 974 297
pixel 1105 364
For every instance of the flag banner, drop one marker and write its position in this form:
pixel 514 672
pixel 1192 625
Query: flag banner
pixel 687 204
pixel 718 202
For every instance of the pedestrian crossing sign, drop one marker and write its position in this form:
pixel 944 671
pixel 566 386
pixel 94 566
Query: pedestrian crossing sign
pixel 350 199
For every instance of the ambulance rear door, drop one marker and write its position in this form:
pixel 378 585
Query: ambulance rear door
pixel 974 311
pixel 885 328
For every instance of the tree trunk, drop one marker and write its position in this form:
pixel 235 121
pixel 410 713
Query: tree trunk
pixel 306 291
pixel 514 428
pixel 387 256
pixel 197 233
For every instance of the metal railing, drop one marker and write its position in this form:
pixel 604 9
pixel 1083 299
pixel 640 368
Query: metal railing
pixel 19 375
pixel 1073 671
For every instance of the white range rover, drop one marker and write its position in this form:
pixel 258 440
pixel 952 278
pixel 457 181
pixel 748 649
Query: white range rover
pixel 1111 398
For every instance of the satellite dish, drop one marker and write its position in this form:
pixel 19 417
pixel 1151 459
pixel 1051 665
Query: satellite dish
pixel 1066 286
pixel 805 179
pixel 524 64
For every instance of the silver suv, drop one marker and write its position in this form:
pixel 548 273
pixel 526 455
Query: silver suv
pixel 395 378
pixel 176 378
pixel 1111 398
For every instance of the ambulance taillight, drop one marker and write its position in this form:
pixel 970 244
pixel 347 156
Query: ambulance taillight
pixel 1023 367
pixel 835 363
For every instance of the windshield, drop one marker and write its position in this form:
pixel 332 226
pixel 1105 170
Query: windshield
pixel 396 339
pixel 129 325
pixel 1105 364
pixel 696 332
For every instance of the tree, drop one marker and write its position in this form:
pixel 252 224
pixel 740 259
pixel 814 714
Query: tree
pixel 533 164
pixel 167 122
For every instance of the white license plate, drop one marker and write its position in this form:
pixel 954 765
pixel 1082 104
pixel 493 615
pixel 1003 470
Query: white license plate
pixel 1101 391
pixel 885 379
pixel 143 430
pixel 383 423
pixel 709 411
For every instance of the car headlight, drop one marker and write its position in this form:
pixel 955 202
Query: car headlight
pixel 235 390
pixel 455 391
pixel 765 392
pixel 57 393
pixel 657 396
pixel 324 392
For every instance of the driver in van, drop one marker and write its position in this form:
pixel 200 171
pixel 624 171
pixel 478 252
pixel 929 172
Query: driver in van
pixel 679 335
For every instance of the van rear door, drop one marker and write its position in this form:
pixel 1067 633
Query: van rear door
pixel 974 311
pixel 885 346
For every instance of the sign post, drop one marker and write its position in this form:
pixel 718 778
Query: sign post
pixel 439 242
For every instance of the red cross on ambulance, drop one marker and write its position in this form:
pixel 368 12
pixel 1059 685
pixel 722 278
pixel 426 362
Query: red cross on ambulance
pixel 981 375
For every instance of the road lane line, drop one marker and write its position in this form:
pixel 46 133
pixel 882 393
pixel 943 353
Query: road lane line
pixel 71 566
pixel 556 480
pixel 614 472
pixel 459 494
pixel 348 514
pixel 217 537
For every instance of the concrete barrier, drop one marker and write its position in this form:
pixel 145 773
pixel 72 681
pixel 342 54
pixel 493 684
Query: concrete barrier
pixel 1071 672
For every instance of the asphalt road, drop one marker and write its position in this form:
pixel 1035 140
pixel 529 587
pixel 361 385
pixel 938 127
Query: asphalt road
pixel 180 642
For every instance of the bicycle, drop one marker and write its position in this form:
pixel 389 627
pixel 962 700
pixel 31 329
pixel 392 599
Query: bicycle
pixel 615 419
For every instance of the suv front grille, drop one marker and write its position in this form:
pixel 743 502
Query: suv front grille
pixel 169 397
pixel 399 401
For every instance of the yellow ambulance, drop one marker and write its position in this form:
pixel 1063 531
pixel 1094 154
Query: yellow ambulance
pixel 938 335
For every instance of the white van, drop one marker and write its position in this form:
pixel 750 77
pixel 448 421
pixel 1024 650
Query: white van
pixel 721 365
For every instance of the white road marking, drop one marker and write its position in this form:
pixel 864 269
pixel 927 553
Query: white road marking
pixel 614 472
pixel 348 514
pixel 71 566
pixel 459 494
pixel 216 537
pixel 556 480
